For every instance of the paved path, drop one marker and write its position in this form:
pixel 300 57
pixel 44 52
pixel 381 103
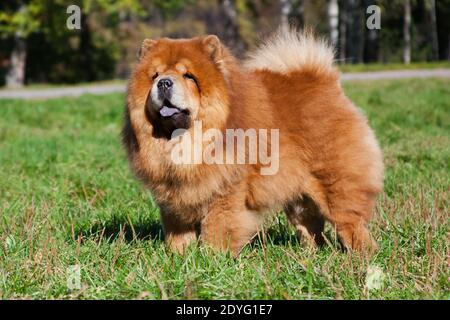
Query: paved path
pixel 103 89
pixel 49 93
pixel 396 74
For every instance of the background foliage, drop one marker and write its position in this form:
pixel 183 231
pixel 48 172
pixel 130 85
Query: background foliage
pixel 112 30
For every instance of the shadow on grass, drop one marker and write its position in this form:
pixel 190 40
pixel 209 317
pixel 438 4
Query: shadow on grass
pixel 281 235
pixel 276 235
pixel 151 230
pixel 121 228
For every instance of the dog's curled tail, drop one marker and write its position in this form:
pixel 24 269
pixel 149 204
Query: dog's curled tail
pixel 288 51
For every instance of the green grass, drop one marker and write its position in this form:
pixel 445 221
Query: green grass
pixel 67 197
pixel 393 66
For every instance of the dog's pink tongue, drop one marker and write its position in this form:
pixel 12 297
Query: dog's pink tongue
pixel 168 112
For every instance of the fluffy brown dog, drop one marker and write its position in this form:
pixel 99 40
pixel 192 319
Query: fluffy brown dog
pixel 330 165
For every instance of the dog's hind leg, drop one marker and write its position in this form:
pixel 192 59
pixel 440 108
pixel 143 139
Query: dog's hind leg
pixel 307 220
pixel 350 216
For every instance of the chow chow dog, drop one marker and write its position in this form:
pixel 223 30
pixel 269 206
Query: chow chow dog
pixel 330 165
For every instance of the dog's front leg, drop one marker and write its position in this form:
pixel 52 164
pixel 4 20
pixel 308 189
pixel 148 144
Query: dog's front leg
pixel 178 235
pixel 229 225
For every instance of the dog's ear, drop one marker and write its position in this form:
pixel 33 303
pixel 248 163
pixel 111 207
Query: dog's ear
pixel 214 47
pixel 146 46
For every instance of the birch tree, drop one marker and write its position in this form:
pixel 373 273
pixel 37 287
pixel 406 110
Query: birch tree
pixel 407 31
pixel 333 21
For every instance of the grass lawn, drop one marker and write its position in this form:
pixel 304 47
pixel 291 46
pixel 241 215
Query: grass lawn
pixel 393 66
pixel 68 198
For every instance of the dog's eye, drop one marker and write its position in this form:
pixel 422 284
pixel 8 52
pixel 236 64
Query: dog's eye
pixel 190 76
pixel 155 76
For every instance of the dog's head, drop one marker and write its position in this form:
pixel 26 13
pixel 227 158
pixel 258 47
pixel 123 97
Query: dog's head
pixel 182 81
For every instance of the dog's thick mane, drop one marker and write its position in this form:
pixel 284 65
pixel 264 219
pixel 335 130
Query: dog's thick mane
pixel 288 51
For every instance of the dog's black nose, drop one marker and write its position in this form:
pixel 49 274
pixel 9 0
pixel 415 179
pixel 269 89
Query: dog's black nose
pixel 165 84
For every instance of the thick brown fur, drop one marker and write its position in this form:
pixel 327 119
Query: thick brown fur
pixel 330 165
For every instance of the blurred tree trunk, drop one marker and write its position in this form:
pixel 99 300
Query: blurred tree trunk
pixel 372 52
pixel 433 29
pixel 355 36
pixel 448 47
pixel 292 14
pixel 333 21
pixel 15 76
pixel 86 49
pixel 16 72
pixel 298 14
pixel 343 31
pixel 231 26
pixel 286 10
pixel 407 32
